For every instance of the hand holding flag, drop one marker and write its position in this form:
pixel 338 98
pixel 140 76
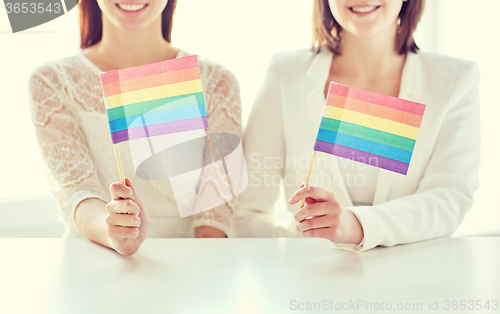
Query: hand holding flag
pixel 126 218
pixel 324 217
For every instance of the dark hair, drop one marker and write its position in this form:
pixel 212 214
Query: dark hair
pixel 326 30
pixel 91 22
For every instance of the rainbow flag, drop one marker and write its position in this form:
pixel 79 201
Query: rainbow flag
pixel 154 99
pixel 368 127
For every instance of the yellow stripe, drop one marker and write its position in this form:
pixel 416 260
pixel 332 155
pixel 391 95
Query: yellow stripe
pixel 153 93
pixel 371 122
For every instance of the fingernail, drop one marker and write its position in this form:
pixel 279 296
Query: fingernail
pixel 290 200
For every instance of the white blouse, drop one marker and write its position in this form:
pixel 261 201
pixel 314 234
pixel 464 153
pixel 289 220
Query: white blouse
pixel 71 125
pixel 360 180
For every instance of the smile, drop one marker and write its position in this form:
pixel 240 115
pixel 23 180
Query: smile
pixel 364 8
pixel 131 7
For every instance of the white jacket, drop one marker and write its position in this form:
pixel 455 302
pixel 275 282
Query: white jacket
pixel 430 201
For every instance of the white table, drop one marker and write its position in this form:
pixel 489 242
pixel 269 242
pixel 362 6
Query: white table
pixel 244 276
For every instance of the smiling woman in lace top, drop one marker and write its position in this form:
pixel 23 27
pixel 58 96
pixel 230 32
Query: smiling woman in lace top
pixel 71 126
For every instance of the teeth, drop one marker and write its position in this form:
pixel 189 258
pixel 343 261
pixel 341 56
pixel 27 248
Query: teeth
pixel 131 7
pixel 364 9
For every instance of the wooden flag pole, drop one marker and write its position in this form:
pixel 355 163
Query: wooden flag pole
pixel 311 166
pixel 119 163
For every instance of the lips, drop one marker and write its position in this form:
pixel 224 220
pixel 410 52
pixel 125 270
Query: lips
pixel 364 9
pixel 131 7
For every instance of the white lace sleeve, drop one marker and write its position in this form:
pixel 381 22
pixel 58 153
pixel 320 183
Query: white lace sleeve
pixel 69 166
pixel 222 96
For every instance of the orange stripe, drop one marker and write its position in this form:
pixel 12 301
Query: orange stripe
pixel 151 81
pixel 374 110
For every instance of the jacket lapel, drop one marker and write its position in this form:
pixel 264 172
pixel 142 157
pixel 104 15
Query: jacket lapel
pixel 410 86
pixel 317 75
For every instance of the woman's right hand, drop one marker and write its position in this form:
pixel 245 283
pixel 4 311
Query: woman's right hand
pixel 126 218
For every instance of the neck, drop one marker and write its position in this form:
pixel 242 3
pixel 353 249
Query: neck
pixel 370 59
pixel 143 46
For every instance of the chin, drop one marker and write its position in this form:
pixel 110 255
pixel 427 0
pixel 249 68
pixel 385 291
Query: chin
pixel 365 34
pixel 131 25
pixel 367 31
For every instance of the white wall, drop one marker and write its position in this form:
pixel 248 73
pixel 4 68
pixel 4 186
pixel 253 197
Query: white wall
pixel 242 36
pixel 468 30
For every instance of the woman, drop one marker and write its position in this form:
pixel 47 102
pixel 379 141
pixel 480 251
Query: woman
pixel 368 45
pixel 72 129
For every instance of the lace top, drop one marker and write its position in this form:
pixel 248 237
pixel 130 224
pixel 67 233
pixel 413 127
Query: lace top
pixel 71 125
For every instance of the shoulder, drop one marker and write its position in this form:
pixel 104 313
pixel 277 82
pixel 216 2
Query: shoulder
pixel 446 77
pixel 295 61
pixel 446 67
pixel 45 73
pixel 46 87
pixel 51 73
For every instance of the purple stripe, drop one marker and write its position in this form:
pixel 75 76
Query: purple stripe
pixel 160 129
pixel 361 156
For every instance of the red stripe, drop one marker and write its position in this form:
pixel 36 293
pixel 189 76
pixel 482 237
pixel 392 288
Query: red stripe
pixel 151 81
pixel 149 69
pixel 376 98
pixel 374 110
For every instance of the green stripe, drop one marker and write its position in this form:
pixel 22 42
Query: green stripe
pixel 147 106
pixel 368 133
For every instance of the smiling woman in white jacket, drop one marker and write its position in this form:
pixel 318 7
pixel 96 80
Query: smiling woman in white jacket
pixel 367 45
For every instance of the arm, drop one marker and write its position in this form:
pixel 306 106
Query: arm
pixel 224 116
pixel 68 162
pixel 90 217
pixel 69 166
pixel 445 193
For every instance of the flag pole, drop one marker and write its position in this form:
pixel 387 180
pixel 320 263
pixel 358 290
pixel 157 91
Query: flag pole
pixel 311 166
pixel 119 163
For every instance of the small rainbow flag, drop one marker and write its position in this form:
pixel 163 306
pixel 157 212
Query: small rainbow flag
pixel 154 99
pixel 368 127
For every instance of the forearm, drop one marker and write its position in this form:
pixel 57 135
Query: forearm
pixel 416 217
pixel 216 219
pixel 355 230
pixel 90 218
pixel 208 232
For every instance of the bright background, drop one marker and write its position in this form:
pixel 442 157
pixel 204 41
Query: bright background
pixel 242 36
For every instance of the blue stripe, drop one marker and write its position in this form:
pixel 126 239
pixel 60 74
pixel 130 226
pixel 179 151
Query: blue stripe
pixel 156 117
pixel 364 145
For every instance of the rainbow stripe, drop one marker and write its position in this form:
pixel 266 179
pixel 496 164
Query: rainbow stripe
pixel 154 99
pixel 371 128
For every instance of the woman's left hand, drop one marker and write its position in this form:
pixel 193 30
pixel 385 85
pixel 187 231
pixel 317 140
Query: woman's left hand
pixel 208 232
pixel 329 220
